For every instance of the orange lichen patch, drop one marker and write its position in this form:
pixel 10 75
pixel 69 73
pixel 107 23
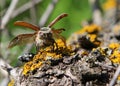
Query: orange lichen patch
pixel 91 31
pixel 60 43
pixel 11 83
pixel 92 28
pixel 40 56
pixel 53 56
pixel 101 50
pixel 63 49
pixel 115 57
pixel 27 67
pixel 44 56
pixel 93 39
pixel 109 4
pixel 36 65
pixel 114 45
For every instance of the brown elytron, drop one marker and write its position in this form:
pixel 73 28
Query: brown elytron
pixel 42 37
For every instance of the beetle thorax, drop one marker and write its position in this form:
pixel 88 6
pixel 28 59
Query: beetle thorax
pixel 45 30
pixel 44 34
pixel 44 37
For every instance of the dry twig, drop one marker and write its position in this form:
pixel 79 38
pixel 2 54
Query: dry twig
pixel 25 7
pixel 97 15
pixel 33 12
pixel 4 66
pixel 115 76
pixel 47 13
pixel 8 14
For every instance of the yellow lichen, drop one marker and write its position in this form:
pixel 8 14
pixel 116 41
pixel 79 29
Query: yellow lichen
pixel 60 43
pixel 92 28
pixel 63 49
pixel 91 31
pixel 53 56
pixel 118 77
pixel 27 67
pixel 101 50
pixel 93 39
pixel 109 4
pixel 40 56
pixel 115 57
pixel 11 83
pixel 44 55
pixel 114 45
pixel 36 65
